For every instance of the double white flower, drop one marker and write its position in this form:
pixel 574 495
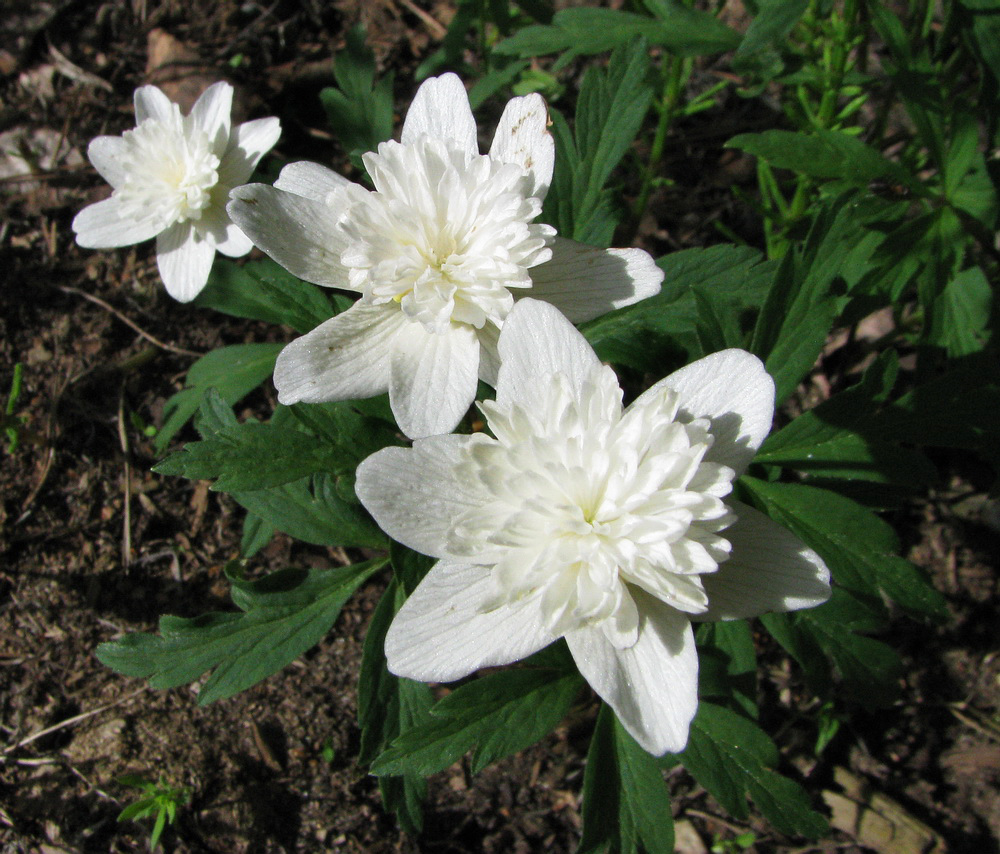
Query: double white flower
pixel 436 252
pixel 585 520
pixel 171 178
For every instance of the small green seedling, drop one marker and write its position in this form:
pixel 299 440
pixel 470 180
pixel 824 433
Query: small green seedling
pixel 12 425
pixel 734 845
pixel 159 799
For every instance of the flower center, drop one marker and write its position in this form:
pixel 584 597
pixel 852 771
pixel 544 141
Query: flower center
pixel 170 171
pixel 586 499
pixel 445 235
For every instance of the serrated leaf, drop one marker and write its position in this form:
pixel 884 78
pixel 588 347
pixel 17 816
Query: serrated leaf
pixel 252 456
pixel 285 614
pixel 825 154
pixel 804 300
pixel 626 806
pixel 860 549
pixel 263 290
pixel 832 634
pixel 317 509
pixel 387 706
pixel 662 330
pixel 360 108
pixel 610 109
pixel 498 714
pixel 341 423
pixel 963 314
pixel 232 371
pixel 732 758
pixel 843 438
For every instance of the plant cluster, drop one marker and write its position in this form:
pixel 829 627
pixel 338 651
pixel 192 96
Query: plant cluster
pixel 555 529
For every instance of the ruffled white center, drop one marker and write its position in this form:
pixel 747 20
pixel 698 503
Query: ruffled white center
pixel 170 170
pixel 586 500
pixel 445 234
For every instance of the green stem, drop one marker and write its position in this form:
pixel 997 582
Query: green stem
pixel 676 77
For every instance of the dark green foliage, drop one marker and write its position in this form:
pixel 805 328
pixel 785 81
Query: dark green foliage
pixel 626 806
pixel 733 758
pixel 360 107
pixel 280 617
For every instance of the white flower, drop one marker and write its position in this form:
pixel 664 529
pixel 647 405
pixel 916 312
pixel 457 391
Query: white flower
pixel 438 252
pixel 171 178
pixel 608 526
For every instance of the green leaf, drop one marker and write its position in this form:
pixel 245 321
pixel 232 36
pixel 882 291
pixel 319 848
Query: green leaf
pixel 963 314
pixel 263 290
pixel 232 371
pixel 663 330
pixel 984 27
pixel 843 438
pixel 772 23
pixel 360 108
pixel 727 664
pixel 956 409
pixel 610 110
pixel 805 298
pixel 355 434
pixel 826 154
pixel 860 549
pixel 732 758
pixel 253 456
pixel 316 511
pixel 387 706
pixel 626 806
pixel 283 615
pixel 869 670
pixel 585 30
pixel 256 534
pixel 501 713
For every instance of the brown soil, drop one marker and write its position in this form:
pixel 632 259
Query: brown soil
pixel 94 545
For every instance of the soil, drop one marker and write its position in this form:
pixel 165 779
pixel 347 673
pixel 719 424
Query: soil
pixel 95 545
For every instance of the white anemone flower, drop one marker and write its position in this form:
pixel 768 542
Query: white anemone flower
pixel 171 178
pixel 437 252
pixel 582 519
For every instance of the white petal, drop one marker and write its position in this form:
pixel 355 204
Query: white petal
pixel 434 378
pixel 770 569
pixel 441 109
pixel 184 256
pixel 226 235
pixel 415 494
pixel 439 634
pixel 584 282
pixel 536 339
pixel 523 138
pixel 151 103
pixel 101 226
pixel 344 358
pixel 234 243
pixel 653 685
pixel 310 180
pixel 212 112
pixel 731 388
pixel 105 153
pixel 300 234
pixel 489 355
pixel 250 142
